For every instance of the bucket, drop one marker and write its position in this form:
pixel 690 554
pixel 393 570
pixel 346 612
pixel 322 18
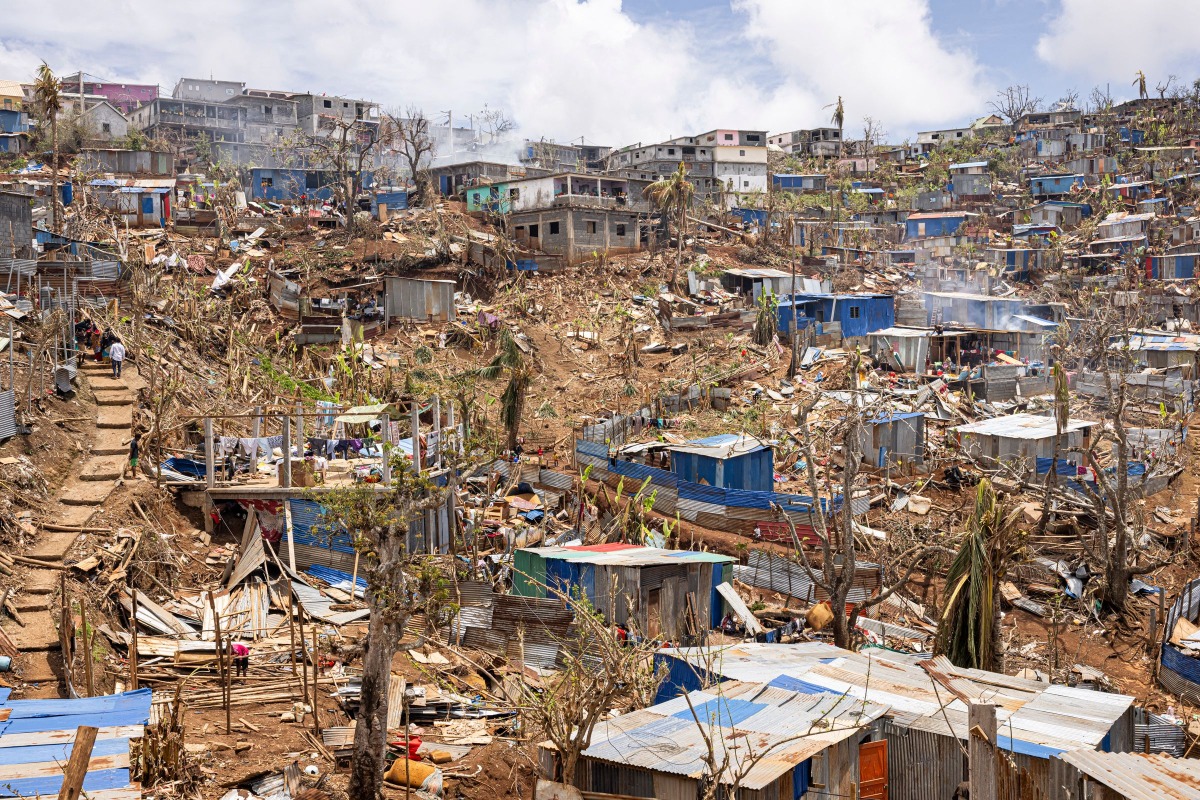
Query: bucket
pixel 5 663
pixel 414 744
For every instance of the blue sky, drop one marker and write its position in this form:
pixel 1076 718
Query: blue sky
pixel 618 72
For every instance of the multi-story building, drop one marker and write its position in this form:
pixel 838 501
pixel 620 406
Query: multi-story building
pixel 269 120
pixel 186 123
pixel 314 111
pixel 928 141
pixel 720 163
pixel 548 154
pixel 817 142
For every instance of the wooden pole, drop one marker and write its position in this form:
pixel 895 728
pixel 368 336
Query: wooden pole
pixel 88 676
pixel 287 453
pixel 209 455
pixel 77 764
pixel 66 634
pixel 385 447
pixel 256 433
pixel 354 577
pixel 222 667
pixel 315 682
pixel 304 656
pixel 292 629
pixel 133 650
pixel 981 750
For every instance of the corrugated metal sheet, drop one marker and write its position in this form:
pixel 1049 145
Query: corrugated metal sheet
pixel 921 765
pixel 417 299
pixel 1139 777
pixel 8 417
pixel 1159 736
pixel 669 737
pixel 767 570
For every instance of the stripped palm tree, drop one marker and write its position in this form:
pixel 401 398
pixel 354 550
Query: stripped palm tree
pixel 1140 82
pixel 839 119
pixel 511 361
pixel 672 196
pixel 47 94
pixel 969 629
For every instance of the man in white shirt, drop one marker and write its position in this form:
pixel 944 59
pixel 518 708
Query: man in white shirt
pixel 116 352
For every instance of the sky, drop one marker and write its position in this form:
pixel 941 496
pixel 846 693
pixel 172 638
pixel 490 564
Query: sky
pixel 617 72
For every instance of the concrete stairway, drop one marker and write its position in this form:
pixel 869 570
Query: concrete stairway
pixel 77 501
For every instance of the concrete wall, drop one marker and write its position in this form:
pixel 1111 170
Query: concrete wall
pixel 577 233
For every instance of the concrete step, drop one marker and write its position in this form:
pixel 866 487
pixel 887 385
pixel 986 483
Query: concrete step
pixel 53 546
pixel 106 383
pixel 105 468
pixel 92 493
pixel 39 632
pixel 114 399
pixel 41 582
pixel 111 442
pixel 71 516
pixel 29 603
pixel 40 667
pixel 114 417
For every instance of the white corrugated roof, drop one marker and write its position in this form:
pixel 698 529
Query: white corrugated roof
pixel 1022 426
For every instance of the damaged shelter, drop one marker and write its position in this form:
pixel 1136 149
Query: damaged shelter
pixel 850 315
pixel 419 300
pixel 894 439
pixel 926 719
pixel 656 592
pixel 774 744
pixel 729 460
pixel 1024 438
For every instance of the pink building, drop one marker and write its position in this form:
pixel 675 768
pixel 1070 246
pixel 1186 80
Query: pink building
pixel 125 96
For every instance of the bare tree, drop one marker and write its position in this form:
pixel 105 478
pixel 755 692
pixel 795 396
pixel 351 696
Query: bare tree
pixel 598 672
pixel 1014 102
pixel 873 134
pixel 399 586
pixel 838 545
pixel 1068 101
pixel 414 142
pixel 1164 87
pixel 494 124
pixel 1100 100
pixel 344 147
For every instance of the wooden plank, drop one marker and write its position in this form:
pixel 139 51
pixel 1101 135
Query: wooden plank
pixel 981 746
pixel 739 607
pixel 66 736
pixel 48 769
pixel 77 766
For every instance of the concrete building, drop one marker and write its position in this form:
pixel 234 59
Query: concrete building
pixel 928 141
pixel 268 120
pixel 311 109
pixel 206 90
pixel 816 142
pixel 187 120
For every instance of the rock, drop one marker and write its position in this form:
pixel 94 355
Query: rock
pixel 440 757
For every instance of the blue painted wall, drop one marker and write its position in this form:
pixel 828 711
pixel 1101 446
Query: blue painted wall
pixel 289 184
pixel 752 472
pixel 936 226
pixel 1054 184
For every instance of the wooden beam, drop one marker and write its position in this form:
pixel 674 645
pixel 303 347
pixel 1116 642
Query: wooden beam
pixel 77 765
pixel 981 750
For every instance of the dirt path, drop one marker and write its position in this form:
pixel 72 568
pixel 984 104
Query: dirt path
pixel 96 475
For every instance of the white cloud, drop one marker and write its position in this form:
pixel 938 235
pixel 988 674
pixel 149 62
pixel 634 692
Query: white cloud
pixel 1109 41
pixel 563 68
pixel 882 58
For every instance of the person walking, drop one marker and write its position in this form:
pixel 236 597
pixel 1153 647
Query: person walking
pixel 116 353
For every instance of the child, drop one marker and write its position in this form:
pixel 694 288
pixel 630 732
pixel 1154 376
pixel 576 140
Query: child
pixel 134 446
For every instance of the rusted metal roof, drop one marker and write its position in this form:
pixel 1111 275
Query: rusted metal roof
pixel 774 728
pixel 1140 777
